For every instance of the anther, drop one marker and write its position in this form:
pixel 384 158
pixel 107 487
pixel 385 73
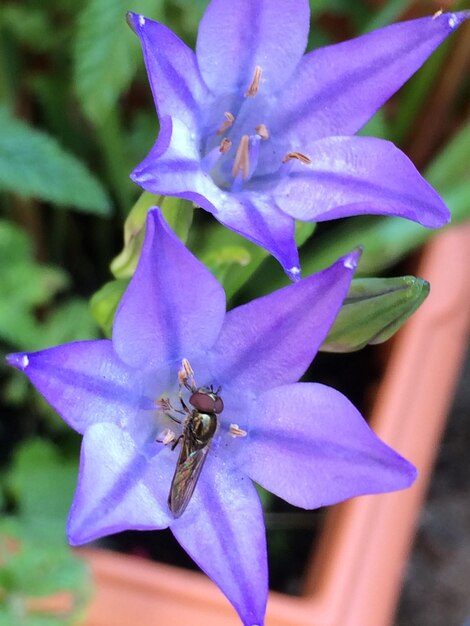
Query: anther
pixel 262 131
pixel 229 120
pixel 163 404
pixel 166 436
pixel 186 374
pixel 254 86
pixel 225 145
pixel 236 431
pixel 303 158
pixel 241 162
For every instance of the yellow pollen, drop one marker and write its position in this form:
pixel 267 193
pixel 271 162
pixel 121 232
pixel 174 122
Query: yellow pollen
pixel 225 145
pixel 242 160
pixel 229 120
pixel 303 158
pixel 253 88
pixel 262 131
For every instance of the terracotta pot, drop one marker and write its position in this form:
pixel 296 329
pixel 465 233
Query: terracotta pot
pixel 355 575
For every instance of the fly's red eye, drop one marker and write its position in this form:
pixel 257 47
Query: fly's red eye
pixel 218 405
pixel 206 402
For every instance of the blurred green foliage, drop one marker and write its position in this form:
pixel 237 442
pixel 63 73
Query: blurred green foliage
pixel 76 115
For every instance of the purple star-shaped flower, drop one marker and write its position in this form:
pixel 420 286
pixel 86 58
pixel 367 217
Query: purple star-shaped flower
pixel 258 134
pixel 305 442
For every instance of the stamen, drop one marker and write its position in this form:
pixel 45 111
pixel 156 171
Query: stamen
pixel 186 375
pixel 241 163
pixel 254 87
pixel 236 431
pixel 303 158
pixel 262 131
pixel 229 120
pixel 166 436
pixel 163 404
pixel 225 145
pixel 210 160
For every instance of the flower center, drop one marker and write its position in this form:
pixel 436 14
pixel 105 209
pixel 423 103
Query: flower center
pixel 197 414
pixel 238 147
pixel 199 419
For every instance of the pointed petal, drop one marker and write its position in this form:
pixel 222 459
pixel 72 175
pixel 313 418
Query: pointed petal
pixel 272 340
pixel 336 89
pixel 310 446
pixel 173 307
pixel 356 175
pixel 177 86
pixel 173 166
pixel 259 220
pixel 223 531
pixel 237 35
pixel 84 381
pixel 119 486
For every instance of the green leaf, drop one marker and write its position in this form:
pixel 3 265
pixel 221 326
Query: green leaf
pixel 24 285
pixel 104 303
pixel 107 52
pixel 41 482
pixel 30 26
pixel 33 165
pixel 123 266
pixel 42 583
pixel 216 243
pixel 452 165
pixel 178 214
pixel 373 311
pixel 224 260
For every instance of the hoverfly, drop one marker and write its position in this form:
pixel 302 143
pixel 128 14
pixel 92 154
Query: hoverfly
pixel 199 428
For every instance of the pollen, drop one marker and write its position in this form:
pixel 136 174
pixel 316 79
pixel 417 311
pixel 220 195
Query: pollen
pixel 254 86
pixel 262 131
pixel 303 158
pixel 166 436
pixel 163 404
pixel 242 158
pixel 229 120
pixel 225 145
pixel 185 373
pixel 236 431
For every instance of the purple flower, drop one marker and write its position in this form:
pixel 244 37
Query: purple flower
pixel 258 134
pixel 303 441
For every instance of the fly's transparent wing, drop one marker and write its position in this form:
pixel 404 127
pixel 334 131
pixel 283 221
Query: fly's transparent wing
pixel 188 470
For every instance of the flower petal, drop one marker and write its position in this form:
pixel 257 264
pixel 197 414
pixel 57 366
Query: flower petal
pixel 173 307
pixel 336 89
pixel 253 215
pixel 356 175
pixel 223 531
pixel 272 340
pixel 173 167
pixel 310 446
pixel 119 487
pixel 174 76
pixel 84 381
pixel 259 220
pixel 235 36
